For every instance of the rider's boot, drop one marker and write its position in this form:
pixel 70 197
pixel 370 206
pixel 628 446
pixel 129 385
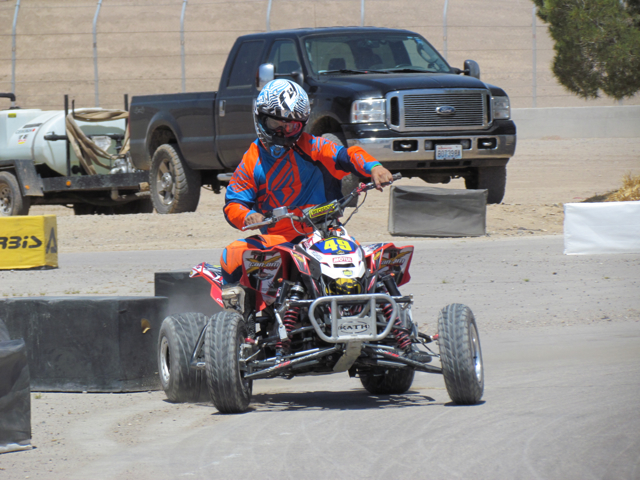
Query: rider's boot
pixel 233 297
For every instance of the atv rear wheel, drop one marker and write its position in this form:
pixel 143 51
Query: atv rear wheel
pixel 176 341
pixel 393 381
pixel 460 354
pixel 226 333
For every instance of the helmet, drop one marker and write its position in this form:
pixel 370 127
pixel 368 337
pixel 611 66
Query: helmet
pixel 282 110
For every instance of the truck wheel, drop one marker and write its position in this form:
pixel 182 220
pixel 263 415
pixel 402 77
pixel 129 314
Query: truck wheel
pixel 175 187
pixel 351 181
pixel 176 341
pixel 393 381
pixel 11 200
pixel 230 392
pixel 460 354
pixel 494 179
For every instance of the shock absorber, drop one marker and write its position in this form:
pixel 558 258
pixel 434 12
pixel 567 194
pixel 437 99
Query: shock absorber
pixel 402 338
pixel 290 318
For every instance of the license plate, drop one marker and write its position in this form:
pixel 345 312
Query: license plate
pixel 448 152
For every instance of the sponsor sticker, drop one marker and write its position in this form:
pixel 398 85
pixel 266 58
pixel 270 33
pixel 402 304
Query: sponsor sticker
pixel 342 260
pixel 353 327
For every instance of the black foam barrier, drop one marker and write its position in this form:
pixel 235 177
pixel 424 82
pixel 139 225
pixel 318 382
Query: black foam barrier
pixel 15 399
pixel 437 212
pixel 93 344
pixel 185 294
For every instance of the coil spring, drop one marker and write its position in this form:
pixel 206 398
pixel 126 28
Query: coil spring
pixel 289 320
pixel 402 338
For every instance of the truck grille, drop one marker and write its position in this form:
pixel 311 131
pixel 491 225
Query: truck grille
pixel 417 110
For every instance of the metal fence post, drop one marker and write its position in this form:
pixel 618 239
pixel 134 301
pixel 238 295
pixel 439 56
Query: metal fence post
pixel 444 29
pixel 362 13
pixel 95 51
pixel 13 52
pixel 534 59
pixel 184 82
pixel 269 16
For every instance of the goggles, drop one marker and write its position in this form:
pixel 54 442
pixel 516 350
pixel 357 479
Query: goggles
pixel 283 128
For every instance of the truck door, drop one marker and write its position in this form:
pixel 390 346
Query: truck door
pixel 235 130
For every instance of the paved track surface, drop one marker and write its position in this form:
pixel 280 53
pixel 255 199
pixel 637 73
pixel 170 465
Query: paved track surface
pixel 561 342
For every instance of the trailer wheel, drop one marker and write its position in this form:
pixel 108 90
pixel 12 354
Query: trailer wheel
pixel 393 381
pixel 175 187
pixel 351 181
pixel 176 341
pixel 11 200
pixel 460 354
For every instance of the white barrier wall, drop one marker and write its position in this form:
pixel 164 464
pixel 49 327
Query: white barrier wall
pixel 607 227
pixel 578 122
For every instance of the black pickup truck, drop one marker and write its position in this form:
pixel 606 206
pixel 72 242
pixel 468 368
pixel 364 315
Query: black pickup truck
pixel 386 90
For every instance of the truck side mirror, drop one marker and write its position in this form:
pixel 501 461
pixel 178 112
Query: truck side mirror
pixel 266 73
pixel 472 68
pixel 298 77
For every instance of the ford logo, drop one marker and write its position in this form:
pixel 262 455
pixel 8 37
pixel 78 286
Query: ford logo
pixel 446 110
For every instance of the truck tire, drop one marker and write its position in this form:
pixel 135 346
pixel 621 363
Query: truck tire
pixel 394 381
pixel 460 354
pixel 175 187
pixel 176 341
pixel 494 179
pixel 230 392
pixel 351 181
pixel 11 200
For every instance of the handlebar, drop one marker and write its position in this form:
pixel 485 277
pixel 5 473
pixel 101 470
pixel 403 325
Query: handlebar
pixel 282 212
pixel 270 221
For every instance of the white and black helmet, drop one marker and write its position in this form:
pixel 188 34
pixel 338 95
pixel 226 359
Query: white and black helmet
pixel 282 110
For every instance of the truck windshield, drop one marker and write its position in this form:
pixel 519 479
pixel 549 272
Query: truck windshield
pixel 379 52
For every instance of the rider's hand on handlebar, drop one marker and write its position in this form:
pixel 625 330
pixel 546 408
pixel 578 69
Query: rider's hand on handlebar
pixel 380 176
pixel 253 218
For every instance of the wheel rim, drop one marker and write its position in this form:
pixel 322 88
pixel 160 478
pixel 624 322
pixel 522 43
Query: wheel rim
pixel 165 361
pixel 5 200
pixel 246 384
pixel 476 353
pixel 165 182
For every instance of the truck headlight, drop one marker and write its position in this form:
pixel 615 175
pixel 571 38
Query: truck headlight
pixel 501 108
pixel 369 110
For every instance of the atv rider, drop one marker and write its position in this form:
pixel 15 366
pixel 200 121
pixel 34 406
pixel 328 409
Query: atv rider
pixel 286 167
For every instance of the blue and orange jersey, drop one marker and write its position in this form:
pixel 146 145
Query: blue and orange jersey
pixel 306 175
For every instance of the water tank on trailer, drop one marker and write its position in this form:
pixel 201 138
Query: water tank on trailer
pixel 22 135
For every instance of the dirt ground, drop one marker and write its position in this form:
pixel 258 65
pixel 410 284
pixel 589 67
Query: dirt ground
pixel 541 177
pixel 73 433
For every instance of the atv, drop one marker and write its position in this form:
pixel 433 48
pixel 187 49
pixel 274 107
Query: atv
pixel 323 305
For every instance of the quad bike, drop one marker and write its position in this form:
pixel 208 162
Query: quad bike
pixel 324 305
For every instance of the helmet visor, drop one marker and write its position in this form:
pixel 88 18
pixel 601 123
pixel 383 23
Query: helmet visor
pixel 283 128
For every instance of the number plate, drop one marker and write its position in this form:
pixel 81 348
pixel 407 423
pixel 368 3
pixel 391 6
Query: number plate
pixel 448 152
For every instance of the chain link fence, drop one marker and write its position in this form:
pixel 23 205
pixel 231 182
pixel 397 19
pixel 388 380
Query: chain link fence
pixel 97 51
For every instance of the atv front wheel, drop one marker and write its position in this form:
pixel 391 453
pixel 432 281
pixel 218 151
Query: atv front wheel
pixel 460 354
pixel 176 341
pixel 224 338
pixel 393 381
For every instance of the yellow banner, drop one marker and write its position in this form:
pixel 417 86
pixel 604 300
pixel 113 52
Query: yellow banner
pixel 28 242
